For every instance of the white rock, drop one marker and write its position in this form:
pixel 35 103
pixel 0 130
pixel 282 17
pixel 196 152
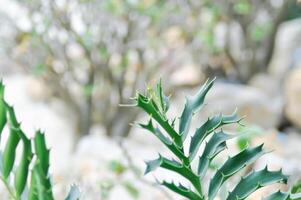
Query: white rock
pixel 224 98
pixel 267 84
pixel 7 67
pixel 98 146
pixel 187 75
pixel 174 36
pixel 293 97
pixel 37 89
pixel 287 41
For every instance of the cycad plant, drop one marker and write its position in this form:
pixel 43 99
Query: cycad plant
pixel 27 177
pixel 213 138
pixel 34 152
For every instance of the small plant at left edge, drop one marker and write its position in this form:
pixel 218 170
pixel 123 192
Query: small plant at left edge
pixel 28 178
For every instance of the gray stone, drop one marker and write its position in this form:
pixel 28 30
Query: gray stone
pixel 293 97
pixel 256 105
pixel 267 84
pixel 287 48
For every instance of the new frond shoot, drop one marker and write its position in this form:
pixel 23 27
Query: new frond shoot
pixel 210 135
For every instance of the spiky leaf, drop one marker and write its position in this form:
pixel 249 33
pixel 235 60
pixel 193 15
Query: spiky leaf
pixel 192 105
pixel 207 128
pixel 41 184
pixel 182 190
pixel 162 101
pixel 232 166
pixel 2 108
pixel 296 187
pixel 166 141
pixel 254 181
pixel 277 196
pixel 149 106
pixel 23 168
pixel 39 187
pixel 41 151
pixel 216 144
pixel 9 153
pixel 176 167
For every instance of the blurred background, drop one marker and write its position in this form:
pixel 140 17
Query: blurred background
pixel 68 65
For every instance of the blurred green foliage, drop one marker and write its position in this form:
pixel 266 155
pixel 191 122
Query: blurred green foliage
pixel 119 169
pixel 297 187
pixel 246 134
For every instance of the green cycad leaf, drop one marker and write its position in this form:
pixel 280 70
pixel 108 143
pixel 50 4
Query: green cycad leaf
pixel 9 152
pixel 296 188
pixel 192 105
pixel 41 184
pixel 277 196
pixel 13 122
pixel 174 166
pixel 41 151
pixel 182 190
pixel 23 168
pixel 296 191
pixel 254 181
pixel 232 166
pixel 164 163
pixel 40 187
pixel 38 190
pixel 207 128
pixel 166 141
pixel 216 144
pixel 163 100
pixel 149 106
pixel 2 108
pixel 156 131
pixel 1 90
